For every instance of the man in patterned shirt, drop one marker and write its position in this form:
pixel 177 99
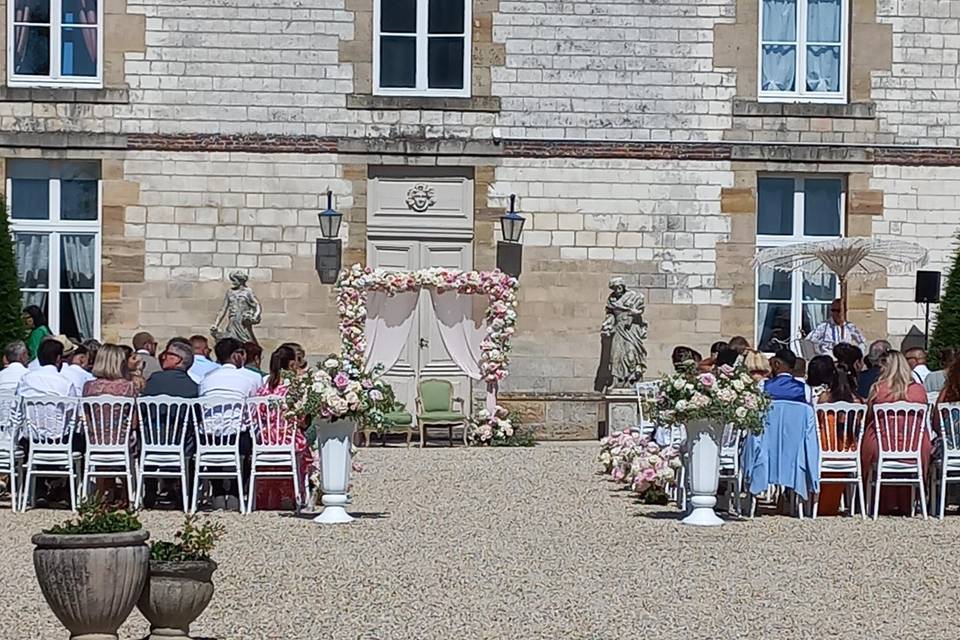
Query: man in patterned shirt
pixel 836 330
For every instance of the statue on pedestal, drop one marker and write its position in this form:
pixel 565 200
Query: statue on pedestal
pixel 240 308
pixel 623 356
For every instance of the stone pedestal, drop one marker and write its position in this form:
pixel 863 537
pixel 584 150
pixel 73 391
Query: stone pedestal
pixel 623 412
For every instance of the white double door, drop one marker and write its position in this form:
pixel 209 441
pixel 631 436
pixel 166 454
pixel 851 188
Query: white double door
pixel 424 355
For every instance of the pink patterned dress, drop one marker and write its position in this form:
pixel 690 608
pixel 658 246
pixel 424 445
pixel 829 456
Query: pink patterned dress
pixel 271 492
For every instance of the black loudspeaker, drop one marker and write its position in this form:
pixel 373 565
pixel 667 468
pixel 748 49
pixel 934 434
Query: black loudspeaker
pixel 510 257
pixel 329 256
pixel 928 287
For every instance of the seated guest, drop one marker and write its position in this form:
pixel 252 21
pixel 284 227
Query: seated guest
pixel 895 384
pixel 949 393
pixel 850 355
pixel 172 380
pixel 684 358
pixel 111 378
pixel 835 330
pixel 917 359
pixel 202 364
pixel 820 375
pixel 92 346
pixel 707 364
pixel 46 379
pixel 15 358
pixel 110 374
pixel 832 428
pixel 757 364
pixel 301 364
pixel 75 367
pixel 230 379
pixel 726 357
pixel 254 358
pixel 800 369
pixel 937 379
pixel 869 376
pixel 272 493
pixel 146 347
pixel 739 344
pixel 134 368
pixel 784 385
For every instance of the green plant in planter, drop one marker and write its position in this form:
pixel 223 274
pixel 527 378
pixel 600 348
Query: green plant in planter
pixel 194 543
pixel 95 515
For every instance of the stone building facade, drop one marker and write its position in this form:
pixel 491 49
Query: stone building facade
pixel 661 141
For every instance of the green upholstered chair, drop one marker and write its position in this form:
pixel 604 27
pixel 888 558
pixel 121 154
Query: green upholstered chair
pixel 435 408
pixel 394 421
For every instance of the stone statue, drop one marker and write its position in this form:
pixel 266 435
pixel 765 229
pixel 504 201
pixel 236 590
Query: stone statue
pixel 624 330
pixel 241 309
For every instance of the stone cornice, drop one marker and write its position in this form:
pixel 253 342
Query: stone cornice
pixel 507 148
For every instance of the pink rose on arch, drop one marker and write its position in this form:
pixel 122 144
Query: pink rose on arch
pixel 707 379
pixel 726 370
pixel 649 475
pixel 341 380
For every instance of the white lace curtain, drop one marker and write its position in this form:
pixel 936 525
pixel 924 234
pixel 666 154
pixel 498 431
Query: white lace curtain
pixel 822 54
pixel 33 262
pixel 78 266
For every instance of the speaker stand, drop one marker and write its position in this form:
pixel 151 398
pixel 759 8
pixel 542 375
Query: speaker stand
pixel 926 327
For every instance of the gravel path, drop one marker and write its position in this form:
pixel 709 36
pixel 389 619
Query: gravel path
pixel 520 543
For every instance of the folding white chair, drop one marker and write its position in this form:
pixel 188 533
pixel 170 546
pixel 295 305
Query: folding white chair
pixel 164 424
pixel 11 455
pixel 218 444
pixel 50 423
pixel 900 428
pixel 730 471
pixel 840 427
pixel 274 453
pixel 108 422
pixel 950 437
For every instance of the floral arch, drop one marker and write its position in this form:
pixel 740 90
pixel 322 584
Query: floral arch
pixel 501 313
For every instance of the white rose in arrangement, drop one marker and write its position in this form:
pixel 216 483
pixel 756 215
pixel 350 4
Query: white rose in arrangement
pixel 331 363
pixel 679 384
pixel 738 385
pixel 741 412
pixel 681 405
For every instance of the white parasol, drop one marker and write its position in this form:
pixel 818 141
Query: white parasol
pixel 845 257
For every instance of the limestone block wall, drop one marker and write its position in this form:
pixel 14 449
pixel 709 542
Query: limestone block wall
pixel 920 205
pixel 202 215
pixel 657 223
pixel 617 69
pixel 917 101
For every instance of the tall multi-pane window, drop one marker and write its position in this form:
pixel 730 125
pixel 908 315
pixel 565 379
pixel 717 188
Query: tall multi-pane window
pixel 794 209
pixel 54 209
pixel 54 42
pixel 803 50
pixel 422 47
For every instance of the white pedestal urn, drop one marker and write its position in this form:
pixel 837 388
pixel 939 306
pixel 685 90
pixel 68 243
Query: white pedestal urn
pixel 333 441
pixel 704 438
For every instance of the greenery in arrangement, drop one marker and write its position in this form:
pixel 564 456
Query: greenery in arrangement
pixel 11 320
pixel 946 332
pixel 95 515
pixel 194 543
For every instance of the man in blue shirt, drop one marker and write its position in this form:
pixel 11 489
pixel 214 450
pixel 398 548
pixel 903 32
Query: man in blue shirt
pixel 783 385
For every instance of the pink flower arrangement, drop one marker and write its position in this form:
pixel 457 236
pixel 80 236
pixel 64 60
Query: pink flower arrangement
pixel 631 458
pixel 501 315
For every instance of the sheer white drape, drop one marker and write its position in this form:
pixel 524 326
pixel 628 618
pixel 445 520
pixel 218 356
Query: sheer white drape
pixel 779 56
pixel 33 261
pixel 79 255
pixel 389 321
pixel 823 62
pixel 461 319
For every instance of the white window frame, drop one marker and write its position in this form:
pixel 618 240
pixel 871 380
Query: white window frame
pixel 800 94
pixel 54 227
pixel 56 78
pixel 767 241
pixel 422 39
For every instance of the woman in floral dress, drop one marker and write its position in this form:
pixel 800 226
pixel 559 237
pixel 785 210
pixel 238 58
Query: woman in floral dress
pixel 274 493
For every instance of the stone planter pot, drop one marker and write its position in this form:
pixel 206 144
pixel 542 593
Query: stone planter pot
pixel 704 438
pixel 175 595
pixel 91 581
pixel 334 440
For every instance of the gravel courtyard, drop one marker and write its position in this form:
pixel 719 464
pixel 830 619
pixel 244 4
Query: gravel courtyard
pixel 530 543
